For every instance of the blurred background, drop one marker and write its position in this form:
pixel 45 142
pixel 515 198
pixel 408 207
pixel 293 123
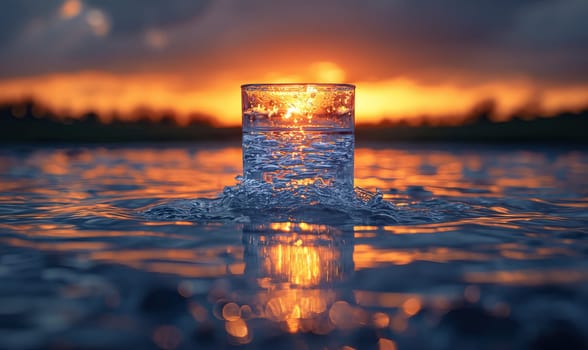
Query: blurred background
pixel 417 64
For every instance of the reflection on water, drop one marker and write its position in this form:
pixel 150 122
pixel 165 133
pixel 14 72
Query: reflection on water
pixel 70 175
pixel 81 268
pixel 299 254
pixel 295 266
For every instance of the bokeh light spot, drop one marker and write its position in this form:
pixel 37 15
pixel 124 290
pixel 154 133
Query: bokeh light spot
pixel 98 22
pixel 156 38
pixel 167 337
pixel 70 8
pixel 381 320
pixel 231 312
pixel 471 293
pixel 386 344
pixel 411 306
pixel 237 328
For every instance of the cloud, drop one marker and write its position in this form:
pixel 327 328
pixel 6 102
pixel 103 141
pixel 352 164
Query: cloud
pixel 545 40
pixel 15 14
pixel 39 37
pixel 550 40
pixel 136 16
pixel 445 49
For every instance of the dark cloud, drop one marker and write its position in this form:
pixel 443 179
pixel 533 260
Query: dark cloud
pixel 15 15
pixel 544 40
pixel 132 16
pixel 35 39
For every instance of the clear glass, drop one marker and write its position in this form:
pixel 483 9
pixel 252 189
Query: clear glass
pixel 299 134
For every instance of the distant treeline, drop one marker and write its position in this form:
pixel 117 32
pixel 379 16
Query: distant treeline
pixel 27 121
pixel 479 126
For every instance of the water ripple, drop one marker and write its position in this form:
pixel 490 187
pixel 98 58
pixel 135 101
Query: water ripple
pixel 253 201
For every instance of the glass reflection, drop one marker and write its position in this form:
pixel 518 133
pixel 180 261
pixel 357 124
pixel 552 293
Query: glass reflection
pixel 294 269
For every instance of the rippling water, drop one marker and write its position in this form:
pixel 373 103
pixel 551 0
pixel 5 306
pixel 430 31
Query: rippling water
pixel 465 247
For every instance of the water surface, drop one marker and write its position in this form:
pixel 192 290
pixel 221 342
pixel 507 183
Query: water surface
pixel 482 247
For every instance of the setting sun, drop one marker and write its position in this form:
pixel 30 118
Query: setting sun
pixel 106 93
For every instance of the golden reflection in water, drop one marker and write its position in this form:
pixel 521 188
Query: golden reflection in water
pixel 368 256
pixel 462 174
pixel 294 267
pixel 190 263
pixel 528 277
pixel 300 254
pixel 62 179
pixel 63 175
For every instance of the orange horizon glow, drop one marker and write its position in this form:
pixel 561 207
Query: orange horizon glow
pixel 76 57
pixel 393 99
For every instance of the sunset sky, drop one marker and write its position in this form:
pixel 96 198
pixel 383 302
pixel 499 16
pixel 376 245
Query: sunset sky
pixel 407 57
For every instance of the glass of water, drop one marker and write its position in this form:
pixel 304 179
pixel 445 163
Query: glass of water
pixel 297 135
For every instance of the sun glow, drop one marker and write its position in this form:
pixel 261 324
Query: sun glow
pixel 399 98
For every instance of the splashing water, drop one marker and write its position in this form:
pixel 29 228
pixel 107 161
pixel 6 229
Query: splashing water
pixel 256 201
pixel 299 175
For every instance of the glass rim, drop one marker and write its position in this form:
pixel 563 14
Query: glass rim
pixel 269 86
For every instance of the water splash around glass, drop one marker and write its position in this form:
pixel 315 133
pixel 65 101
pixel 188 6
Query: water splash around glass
pixel 298 164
